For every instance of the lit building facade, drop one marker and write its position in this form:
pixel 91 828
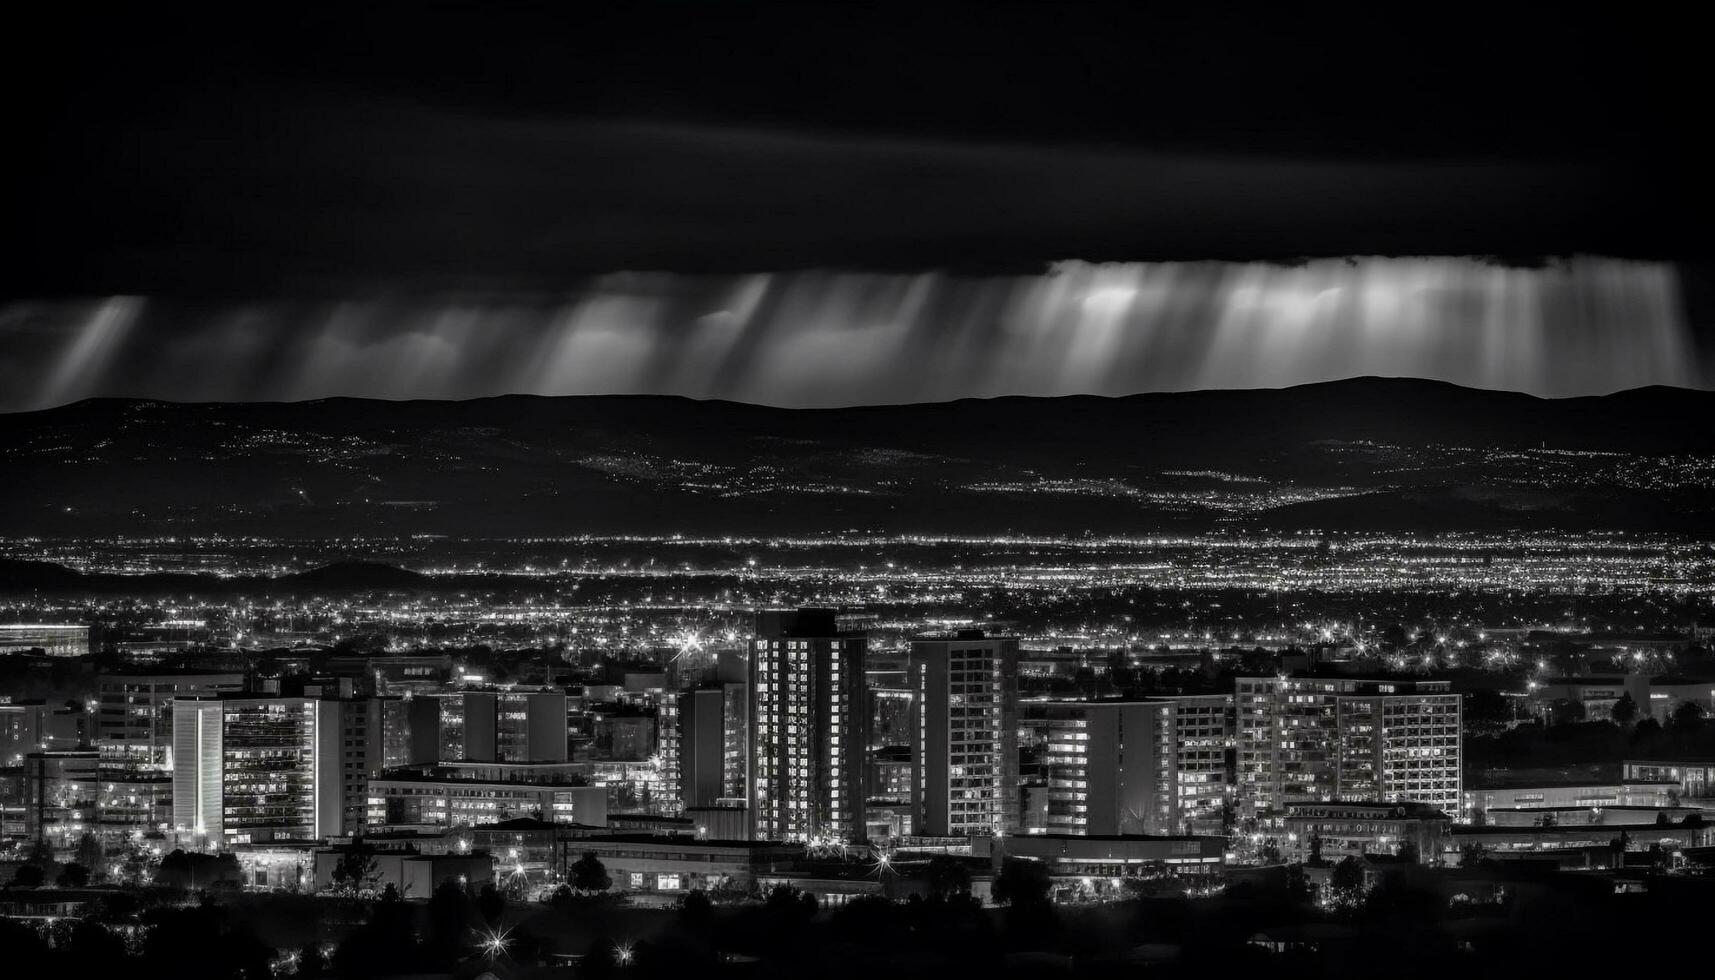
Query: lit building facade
pixel 515 726
pixel 134 714
pixel 258 769
pixel 649 863
pixel 52 639
pixel 60 790
pixel 964 717
pixel 483 726
pixel 1203 729
pixel 1695 777
pixel 1111 767
pixel 1316 740
pixel 465 794
pixel 808 728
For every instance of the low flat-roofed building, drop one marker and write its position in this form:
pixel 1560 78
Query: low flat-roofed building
pixel 1340 829
pixel 1695 778
pixel 526 851
pixel 416 876
pixel 1596 694
pixel 277 865
pixel 1501 843
pixel 1668 694
pixel 657 824
pixel 719 822
pixel 1588 816
pixel 471 794
pixel 834 890
pixel 1573 793
pixel 53 639
pixel 1114 856
pixel 654 863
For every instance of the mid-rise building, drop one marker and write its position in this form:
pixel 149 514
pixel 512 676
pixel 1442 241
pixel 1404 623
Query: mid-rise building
pixel 134 714
pixel 711 745
pixel 515 726
pixel 1316 740
pixel 482 726
pixel 1204 732
pixel 808 727
pixel 1111 767
pixel 964 718
pixel 255 769
pixel 37 726
pixel 60 796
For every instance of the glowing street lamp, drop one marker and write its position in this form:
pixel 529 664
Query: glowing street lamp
pixel 495 944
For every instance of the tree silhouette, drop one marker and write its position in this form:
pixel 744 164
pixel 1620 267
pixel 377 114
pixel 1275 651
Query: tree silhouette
pixel 589 875
pixel 1022 883
pixel 73 876
pixel 1625 711
pixel 1346 885
pixel 1688 716
pixel 356 870
pixel 89 853
pixel 1297 884
pixel 695 909
pixel 491 905
pixel 27 876
pixel 1487 710
pixel 1566 711
pixel 948 876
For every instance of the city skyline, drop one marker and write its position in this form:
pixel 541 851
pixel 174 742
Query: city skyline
pixel 649 491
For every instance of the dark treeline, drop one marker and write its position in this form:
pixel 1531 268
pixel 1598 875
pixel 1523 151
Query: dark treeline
pixel 1406 922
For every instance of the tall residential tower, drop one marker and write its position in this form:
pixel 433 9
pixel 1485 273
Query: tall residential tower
pixel 809 732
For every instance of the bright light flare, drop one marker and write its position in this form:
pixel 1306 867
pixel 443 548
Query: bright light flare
pixel 495 944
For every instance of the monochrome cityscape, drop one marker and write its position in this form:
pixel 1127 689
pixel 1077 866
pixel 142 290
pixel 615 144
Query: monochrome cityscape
pixel 1081 490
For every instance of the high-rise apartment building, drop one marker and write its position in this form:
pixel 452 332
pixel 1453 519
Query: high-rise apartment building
pixel 1204 733
pixel 808 728
pixel 255 769
pixel 963 716
pixel 1315 740
pixel 711 745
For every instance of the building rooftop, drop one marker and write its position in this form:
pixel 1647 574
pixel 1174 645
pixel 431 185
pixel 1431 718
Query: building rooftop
pixel 682 841
pixel 1410 809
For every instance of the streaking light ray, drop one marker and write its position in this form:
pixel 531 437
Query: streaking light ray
pixel 829 338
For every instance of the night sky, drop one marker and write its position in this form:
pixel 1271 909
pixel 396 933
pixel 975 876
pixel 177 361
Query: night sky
pixel 857 203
